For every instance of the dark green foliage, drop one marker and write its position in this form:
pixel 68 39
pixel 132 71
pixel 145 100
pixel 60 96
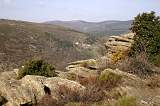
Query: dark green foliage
pixel 37 67
pixel 146 27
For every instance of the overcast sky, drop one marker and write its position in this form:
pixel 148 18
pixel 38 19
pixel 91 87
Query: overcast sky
pixel 88 10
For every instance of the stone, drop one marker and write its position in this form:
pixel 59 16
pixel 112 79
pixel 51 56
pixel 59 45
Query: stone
pixel 91 63
pixel 118 46
pixel 30 89
pixel 122 42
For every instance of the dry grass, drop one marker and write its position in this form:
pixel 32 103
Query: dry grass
pixel 67 95
pixel 153 82
pixel 138 65
pixel 126 101
pixel 23 40
pixel 104 63
pixel 47 100
pixel 91 80
pixel 95 91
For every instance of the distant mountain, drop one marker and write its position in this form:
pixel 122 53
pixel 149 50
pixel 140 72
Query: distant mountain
pixel 96 28
pixel 58 45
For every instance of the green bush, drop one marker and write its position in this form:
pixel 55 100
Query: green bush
pixel 126 101
pixel 146 27
pixel 37 67
pixel 109 79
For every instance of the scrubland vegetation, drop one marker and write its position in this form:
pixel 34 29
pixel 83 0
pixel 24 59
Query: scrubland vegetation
pixel 139 61
pixel 145 50
pixel 37 67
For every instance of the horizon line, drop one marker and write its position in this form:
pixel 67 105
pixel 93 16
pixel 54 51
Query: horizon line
pixel 61 20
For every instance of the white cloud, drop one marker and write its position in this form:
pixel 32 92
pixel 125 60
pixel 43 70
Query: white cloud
pixel 41 2
pixel 7 1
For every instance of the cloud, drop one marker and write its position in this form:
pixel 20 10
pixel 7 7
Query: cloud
pixel 7 1
pixel 41 2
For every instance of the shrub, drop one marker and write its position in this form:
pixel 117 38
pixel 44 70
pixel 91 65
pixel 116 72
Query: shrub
pixel 118 55
pixel 91 80
pixel 126 101
pixel 37 67
pixel 46 100
pixel 103 63
pixel 67 95
pixel 146 27
pixel 153 82
pixel 93 93
pixel 109 79
pixel 137 65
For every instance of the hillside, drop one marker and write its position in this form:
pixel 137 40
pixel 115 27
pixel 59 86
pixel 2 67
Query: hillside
pixel 21 41
pixel 92 82
pixel 96 28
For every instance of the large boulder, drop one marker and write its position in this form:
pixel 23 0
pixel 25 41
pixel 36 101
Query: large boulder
pixel 8 75
pixel 30 89
pixel 15 93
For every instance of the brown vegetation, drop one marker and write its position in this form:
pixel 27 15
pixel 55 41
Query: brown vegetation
pixel 138 65
pixel 20 41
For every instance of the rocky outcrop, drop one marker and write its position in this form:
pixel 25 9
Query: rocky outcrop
pixel 122 42
pixel 30 88
pixel 83 68
pixel 91 64
pixel 117 46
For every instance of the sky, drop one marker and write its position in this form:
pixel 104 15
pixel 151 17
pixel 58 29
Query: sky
pixel 66 10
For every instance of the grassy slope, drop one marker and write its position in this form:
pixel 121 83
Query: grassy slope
pixel 23 40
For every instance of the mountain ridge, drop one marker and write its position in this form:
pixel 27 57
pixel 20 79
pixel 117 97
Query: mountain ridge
pixel 110 27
